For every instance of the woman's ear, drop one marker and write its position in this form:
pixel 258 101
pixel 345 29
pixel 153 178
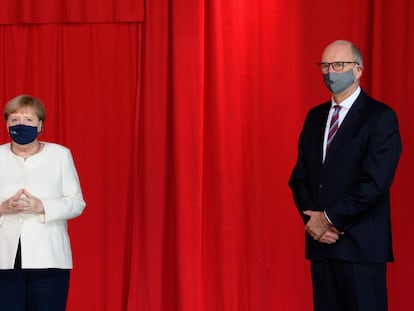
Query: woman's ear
pixel 40 126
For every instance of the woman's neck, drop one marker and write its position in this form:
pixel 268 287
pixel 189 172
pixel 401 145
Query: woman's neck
pixel 27 150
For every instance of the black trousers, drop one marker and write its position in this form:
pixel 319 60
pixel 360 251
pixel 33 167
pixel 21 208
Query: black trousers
pixel 345 286
pixel 33 289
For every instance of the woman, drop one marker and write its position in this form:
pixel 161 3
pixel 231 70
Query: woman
pixel 39 192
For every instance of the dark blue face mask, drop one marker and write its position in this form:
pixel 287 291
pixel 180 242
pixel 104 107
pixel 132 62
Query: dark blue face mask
pixel 23 134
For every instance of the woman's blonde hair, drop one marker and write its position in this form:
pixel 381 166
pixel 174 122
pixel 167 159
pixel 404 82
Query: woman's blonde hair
pixel 25 101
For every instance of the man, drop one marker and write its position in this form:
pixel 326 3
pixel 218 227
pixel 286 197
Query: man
pixel 348 153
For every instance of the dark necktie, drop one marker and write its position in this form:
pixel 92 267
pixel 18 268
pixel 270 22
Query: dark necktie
pixel 333 127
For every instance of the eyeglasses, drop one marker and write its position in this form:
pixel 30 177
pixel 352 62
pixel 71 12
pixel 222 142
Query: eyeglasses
pixel 336 66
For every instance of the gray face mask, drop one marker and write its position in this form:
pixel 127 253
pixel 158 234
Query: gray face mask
pixel 339 82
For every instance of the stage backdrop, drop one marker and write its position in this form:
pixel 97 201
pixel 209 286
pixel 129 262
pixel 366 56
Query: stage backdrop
pixel 183 123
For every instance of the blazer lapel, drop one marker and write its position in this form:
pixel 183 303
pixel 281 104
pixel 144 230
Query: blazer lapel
pixel 352 120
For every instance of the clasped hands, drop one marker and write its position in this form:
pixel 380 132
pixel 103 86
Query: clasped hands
pixel 320 229
pixel 22 202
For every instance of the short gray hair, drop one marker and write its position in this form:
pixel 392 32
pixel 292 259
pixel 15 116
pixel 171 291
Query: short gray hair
pixel 356 53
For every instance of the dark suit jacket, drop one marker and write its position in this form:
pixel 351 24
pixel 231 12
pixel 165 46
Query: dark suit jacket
pixel 353 184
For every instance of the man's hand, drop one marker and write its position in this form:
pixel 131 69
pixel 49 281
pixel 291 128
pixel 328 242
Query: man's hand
pixel 317 224
pixel 330 236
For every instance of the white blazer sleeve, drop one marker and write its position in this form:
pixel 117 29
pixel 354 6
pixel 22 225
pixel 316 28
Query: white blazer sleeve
pixel 71 203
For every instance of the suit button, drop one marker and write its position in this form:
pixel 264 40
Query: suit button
pixel 320 186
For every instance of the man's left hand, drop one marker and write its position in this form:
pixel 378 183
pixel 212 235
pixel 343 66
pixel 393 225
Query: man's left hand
pixel 317 224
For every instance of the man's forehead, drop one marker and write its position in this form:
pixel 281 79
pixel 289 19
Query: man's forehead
pixel 337 49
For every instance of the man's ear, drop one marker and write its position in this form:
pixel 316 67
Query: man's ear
pixel 358 71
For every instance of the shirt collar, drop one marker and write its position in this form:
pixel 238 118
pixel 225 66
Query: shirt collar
pixel 347 103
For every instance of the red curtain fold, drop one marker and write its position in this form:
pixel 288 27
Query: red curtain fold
pixel 70 11
pixel 184 131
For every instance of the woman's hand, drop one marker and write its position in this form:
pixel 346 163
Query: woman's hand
pixel 29 204
pixel 22 202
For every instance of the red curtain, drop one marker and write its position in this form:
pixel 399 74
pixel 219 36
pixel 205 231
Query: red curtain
pixel 184 128
pixel 88 77
pixel 70 11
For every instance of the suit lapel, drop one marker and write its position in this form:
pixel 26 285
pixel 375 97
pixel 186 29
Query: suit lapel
pixel 321 133
pixel 352 120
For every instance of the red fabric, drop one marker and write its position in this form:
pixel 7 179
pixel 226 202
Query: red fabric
pixel 184 131
pixel 70 11
pixel 87 76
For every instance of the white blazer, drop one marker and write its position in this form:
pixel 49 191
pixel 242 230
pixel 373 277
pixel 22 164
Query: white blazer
pixel 49 175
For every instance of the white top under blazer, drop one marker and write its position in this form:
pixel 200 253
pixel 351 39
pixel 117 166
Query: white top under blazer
pixel 51 176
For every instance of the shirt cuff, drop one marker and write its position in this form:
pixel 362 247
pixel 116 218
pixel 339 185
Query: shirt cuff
pixel 327 218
